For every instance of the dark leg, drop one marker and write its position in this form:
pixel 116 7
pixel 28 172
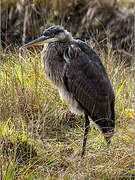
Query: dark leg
pixel 108 140
pixel 86 128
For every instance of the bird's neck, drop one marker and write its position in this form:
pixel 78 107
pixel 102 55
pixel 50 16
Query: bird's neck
pixel 53 62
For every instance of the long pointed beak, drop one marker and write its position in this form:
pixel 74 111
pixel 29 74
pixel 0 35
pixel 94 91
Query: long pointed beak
pixel 39 41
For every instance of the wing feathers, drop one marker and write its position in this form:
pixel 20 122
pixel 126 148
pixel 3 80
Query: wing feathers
pixel 87 80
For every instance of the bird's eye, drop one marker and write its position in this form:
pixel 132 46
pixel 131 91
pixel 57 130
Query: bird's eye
pixel 52 34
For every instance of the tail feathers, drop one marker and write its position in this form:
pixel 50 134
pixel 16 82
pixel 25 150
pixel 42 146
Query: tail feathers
pixel 106 124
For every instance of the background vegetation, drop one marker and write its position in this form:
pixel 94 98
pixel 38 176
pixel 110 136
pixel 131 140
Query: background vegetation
pixel 40 138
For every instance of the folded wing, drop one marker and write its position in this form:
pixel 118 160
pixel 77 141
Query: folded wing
pixel 87 80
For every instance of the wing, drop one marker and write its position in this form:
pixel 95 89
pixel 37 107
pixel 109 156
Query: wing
pixel 86 79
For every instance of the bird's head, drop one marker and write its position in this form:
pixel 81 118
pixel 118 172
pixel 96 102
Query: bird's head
pixel 52 34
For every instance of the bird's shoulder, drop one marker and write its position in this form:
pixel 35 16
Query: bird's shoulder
pixel 79 50
pixel 77 47
pixel 72 52
pixel 81 58
pixel 85 48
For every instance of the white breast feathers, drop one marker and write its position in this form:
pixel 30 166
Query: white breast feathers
pixel 69 99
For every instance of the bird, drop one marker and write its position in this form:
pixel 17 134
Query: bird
pixel 80 77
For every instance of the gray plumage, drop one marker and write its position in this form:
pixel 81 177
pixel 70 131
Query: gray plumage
pixel 78 73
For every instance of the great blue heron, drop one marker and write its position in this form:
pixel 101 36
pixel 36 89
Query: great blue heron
pixel 80 77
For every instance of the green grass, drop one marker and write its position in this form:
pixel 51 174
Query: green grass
pixel 42 139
